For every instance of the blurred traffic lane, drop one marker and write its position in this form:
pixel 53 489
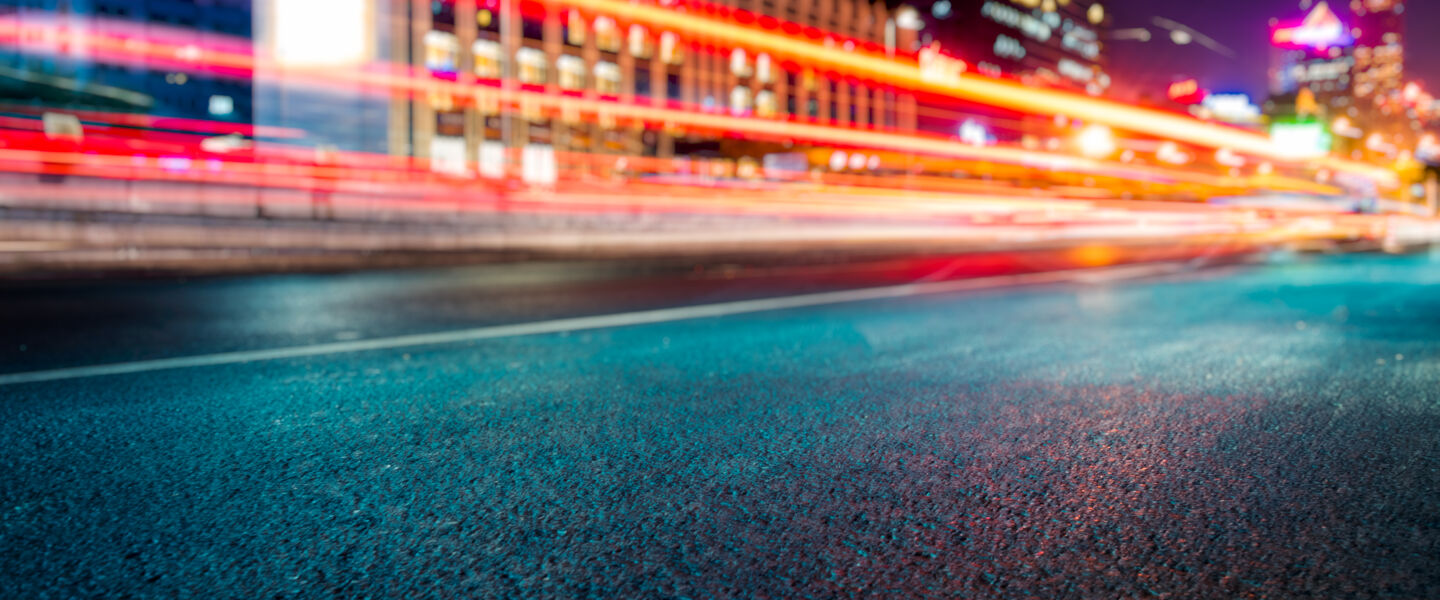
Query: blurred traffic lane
pixel 57 324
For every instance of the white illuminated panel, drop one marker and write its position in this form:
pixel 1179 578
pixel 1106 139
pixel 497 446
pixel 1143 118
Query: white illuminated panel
pixel 320 33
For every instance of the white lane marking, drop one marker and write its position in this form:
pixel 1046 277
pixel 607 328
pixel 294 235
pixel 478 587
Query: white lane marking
pixel 582 323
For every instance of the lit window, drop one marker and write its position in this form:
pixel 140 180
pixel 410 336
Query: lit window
pixel 487 59
pixel 571 70
pixel 607 78
pixel 765 103
pixel 607 34
pixel 221 105
pixel 640 42
pixel 740 100
pixel 532 65
pixel 763 72
pixel 574 28
pixel 739 63
pixel 671 52
pixel 442 51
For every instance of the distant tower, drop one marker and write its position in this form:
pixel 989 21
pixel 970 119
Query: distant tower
pixel 1314 54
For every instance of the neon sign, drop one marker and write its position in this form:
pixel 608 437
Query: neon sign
pixel 1320 30
pixel 1186 92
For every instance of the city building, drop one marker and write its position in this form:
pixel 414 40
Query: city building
pixel 1379 32
pixel 1313 61
pixel 492 48
pixel 1338 86
pixel 68 74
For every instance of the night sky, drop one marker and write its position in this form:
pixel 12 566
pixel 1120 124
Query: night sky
pixel 1242 25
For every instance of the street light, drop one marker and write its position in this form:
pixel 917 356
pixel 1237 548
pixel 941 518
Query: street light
pixel 1097 141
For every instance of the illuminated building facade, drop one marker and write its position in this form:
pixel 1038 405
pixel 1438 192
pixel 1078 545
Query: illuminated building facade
pixel 1379 46
pixel 1343 65
pixel 1341 53
pixel 69 75
pixel 566 51
pixel 1313 59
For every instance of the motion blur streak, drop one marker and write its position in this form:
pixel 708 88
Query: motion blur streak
pixel 975 87
pixel 899 72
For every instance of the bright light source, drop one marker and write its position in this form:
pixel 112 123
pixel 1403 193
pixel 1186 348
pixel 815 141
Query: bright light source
pixel 974 133
pixel 1227 157
pixel 1095 14
pixel 221 105
pixel 1232 108
pixel 1411 92
pixel 1097 141
pixel 1427 149
pixel 907 18
pixel 1300 140
pixel 1169 152
pixel 320 33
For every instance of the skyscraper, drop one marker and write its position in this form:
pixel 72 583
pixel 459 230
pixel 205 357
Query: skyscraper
pixel 1379 31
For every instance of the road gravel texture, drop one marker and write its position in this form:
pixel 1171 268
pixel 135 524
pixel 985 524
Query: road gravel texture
pixel 1263 432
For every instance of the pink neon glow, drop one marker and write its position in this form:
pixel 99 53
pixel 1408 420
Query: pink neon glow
pixel 1320 30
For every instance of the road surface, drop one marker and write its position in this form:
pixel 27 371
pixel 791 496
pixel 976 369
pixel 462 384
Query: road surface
pixel 1262 430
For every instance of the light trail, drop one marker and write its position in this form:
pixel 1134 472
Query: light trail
pixel 995 92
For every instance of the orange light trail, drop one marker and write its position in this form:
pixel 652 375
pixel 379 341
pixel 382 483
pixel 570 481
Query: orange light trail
pixel 905 74
pixel 996 92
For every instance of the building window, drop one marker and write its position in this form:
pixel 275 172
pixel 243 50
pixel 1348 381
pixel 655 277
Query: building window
pixel 763 69
pixel 571 70
pixel 607 78
pixel 740 100
pixel 442 51
pixel 672 87
pixel 532 29
pixel 574 28
pixel 765 103
pixel 607 34
pixel 442 15
pixel 532 66
pixel 671 53
pixel 640 46
pixel 642 79
pixel 486 21
pixel 487 59
pixel 739 63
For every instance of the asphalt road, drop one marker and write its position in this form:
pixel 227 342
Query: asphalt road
pixel 1270 430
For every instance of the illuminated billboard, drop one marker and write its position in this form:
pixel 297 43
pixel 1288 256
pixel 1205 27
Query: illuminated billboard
pixel 1301 139
pixel 1321 30
pixel 1186 92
